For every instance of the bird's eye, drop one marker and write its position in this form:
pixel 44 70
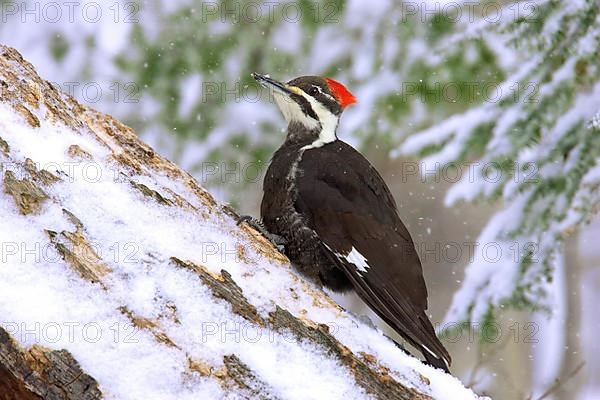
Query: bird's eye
pixel 313 90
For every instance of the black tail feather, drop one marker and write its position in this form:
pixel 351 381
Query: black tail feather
pixel 435 361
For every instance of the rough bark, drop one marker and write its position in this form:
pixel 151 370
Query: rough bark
pixel 38 373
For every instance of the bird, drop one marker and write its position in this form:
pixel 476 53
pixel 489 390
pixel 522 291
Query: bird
pixel 336 217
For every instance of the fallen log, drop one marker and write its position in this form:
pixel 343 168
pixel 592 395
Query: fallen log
pixel 122 278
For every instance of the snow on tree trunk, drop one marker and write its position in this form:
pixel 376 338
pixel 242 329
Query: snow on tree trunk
pixel 122 278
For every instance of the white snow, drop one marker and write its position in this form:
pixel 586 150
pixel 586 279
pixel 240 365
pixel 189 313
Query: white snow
pixel 548 347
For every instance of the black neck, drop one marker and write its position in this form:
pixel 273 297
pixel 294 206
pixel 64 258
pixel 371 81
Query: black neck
pixel 299 134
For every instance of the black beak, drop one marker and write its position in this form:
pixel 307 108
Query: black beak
pixel 268 82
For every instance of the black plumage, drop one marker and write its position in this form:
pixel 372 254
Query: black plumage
pixel 340 221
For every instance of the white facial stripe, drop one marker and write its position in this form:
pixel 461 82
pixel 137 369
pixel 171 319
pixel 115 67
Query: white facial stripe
pixel 292 112
pixel 322 92
pixel 328 120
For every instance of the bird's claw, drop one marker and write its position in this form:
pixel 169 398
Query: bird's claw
pixel 276 240
pixel 249 219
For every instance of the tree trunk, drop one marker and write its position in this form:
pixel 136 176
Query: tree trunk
pixel 73 369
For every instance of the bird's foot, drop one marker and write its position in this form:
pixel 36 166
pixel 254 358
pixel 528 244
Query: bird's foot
pixel 276 240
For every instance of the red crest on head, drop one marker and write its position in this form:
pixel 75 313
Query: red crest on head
pixel 340 92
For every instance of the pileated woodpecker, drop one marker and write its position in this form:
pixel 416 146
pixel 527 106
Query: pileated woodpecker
pixel 337 217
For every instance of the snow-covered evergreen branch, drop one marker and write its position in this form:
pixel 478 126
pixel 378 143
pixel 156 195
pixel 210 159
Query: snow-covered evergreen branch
pixel 538 152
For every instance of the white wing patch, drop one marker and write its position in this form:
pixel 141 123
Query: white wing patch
pixel 354 257
pixel 359 261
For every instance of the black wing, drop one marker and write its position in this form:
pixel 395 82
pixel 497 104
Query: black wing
pixel 347 203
